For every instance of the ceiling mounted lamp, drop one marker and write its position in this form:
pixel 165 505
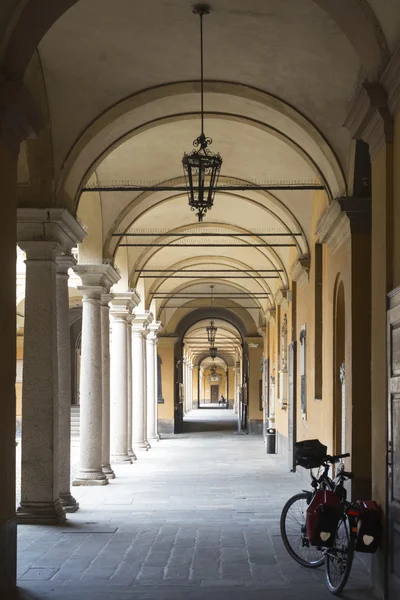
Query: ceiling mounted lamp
pixel 213 351
pixel 211 333
pixel 201 167
pixel 213 369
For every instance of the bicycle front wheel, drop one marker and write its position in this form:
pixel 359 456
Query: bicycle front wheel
pixel 339 558
pixel 294 535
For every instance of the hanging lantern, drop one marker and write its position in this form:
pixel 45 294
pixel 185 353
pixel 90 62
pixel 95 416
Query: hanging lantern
pixel 213 351
pixel 201 167
pixel 211 333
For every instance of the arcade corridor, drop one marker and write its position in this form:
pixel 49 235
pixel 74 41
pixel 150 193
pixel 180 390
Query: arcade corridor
pixel 197 515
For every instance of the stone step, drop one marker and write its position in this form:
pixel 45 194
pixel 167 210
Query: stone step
pixel 75 420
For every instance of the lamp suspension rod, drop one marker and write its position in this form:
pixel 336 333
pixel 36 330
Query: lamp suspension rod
pixel 201 13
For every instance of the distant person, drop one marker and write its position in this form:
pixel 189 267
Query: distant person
pixel 221 400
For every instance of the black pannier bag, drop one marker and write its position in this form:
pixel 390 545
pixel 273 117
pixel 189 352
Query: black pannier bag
pixel 369 526
pixel 309 454
pixel 322 518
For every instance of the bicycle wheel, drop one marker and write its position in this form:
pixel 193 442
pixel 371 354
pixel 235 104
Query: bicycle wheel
pixel 339 558
pixel 293 532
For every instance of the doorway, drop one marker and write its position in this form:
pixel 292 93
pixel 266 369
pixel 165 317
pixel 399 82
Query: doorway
pixel 214 394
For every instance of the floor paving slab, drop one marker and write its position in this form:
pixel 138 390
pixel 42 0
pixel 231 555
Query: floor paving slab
pixel 195 517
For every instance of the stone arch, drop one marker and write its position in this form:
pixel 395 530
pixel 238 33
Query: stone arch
pixel 211 313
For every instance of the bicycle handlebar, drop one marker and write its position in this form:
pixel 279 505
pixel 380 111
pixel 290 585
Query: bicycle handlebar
pixel 335 459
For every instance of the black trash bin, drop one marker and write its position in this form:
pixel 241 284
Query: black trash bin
pixel 270 441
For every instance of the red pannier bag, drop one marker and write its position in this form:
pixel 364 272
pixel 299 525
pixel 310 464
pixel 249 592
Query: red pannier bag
pixel 322 519
pixel 369 526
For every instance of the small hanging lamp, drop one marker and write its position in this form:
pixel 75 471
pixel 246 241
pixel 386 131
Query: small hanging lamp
pixel 201 167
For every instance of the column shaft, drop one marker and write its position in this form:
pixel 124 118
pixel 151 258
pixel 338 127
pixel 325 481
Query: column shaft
pixel 129 378
pixel 151 357
pixel 91 392
pixel 64 262
pixel 138 436
pixel 119 387
pixel 40 501
pixel 105 351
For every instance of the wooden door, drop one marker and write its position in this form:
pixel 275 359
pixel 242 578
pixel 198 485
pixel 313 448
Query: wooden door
pixel 292 405
pixel 214 393
pixel 393 454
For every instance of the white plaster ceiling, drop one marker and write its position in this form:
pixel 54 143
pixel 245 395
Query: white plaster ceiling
pixel 100 52
pixel 227 340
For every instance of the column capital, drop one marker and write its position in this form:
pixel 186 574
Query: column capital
pixel 64 263
pixel 140 322
pixel 106 299
pixel 49 224
pixel 97 277
pixel 122 304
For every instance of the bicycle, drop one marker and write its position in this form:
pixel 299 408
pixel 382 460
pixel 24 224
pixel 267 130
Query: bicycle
pixel 293 517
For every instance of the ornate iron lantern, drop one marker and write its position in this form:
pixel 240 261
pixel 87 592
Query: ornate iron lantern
pixel 201 167
pixel 211 333
pixel 213 370
pixel 213 351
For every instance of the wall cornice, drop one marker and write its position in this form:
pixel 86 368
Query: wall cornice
pixel 343 218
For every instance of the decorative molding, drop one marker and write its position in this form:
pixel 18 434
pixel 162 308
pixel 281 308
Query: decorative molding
pixel 270 316
pixel 283 297
pixel 51 225
pixel 300 271
pixel 20 117
pixel 344 217
pixel 369 118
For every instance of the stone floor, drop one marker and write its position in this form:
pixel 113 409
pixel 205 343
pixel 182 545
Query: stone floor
pixel 195 517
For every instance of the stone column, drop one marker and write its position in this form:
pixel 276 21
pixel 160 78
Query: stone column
pixel 97 280
pixel 151 368
pixel 121 307
pixel 105 372
pixel 139 405
pixel 43 234
pixel 40 502
pixel 129 375
pixel 64 263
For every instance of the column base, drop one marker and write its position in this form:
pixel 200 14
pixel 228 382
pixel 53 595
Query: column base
pixel 132 455
pixel 68 502
pixel 141 446
pixel 41 513
pixel 108 472
pixel 148 446
pixel 90 478
pixel 120 459
pixel 154 438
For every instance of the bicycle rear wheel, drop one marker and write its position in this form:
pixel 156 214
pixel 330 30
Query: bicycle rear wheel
pixel 339 558
pixel 294 535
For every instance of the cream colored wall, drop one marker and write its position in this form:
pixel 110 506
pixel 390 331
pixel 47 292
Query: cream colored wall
pixel 231 383
pixel 166 353
pixel 90 217
pixel 207 385
pixel 195 388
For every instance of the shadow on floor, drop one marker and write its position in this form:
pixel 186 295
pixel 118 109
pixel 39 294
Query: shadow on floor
pixel 210 420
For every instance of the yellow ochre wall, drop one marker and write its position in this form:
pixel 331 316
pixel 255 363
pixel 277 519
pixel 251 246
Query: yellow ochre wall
pixel 165 350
